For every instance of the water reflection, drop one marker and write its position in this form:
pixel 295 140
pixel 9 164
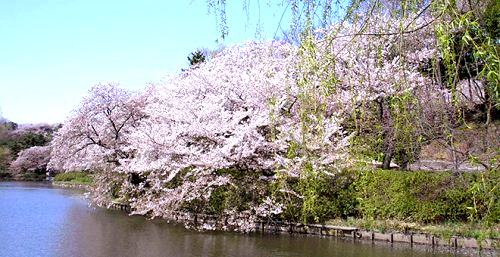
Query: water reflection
pixel 38 220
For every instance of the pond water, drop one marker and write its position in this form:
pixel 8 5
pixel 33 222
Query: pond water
pixel 39 220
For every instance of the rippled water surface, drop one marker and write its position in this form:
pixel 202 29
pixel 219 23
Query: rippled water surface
pixel 39 220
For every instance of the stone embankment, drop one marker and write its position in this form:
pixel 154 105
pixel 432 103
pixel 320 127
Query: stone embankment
pixel 120 206
pixel 390 237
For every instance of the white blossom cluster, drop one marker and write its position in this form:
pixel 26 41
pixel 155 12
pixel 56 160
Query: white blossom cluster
pixel 218 114
pixel 33 159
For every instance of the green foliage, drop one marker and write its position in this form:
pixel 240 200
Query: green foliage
pixel 334 198
pixel 232 171
pixel 74 177
pixel 386 128
pixel 231 197
pixel 6 125
pixel 485 193
pixel 293 150
pixel 11 143
pixel 368 140
pixel 31 176
pixel 25 141
pixel 116 188
pixel 245 190
pixel 196 58
pixel 318 197
pixel 178 179
pixel 425 196
pixel 422 196
pixel 283 190
pixel 407 139
pixel 5 158
pixel 309 187
pixel 490 19
pixel 196 205
pixel 217 201
pixel 32 139
pixel 468 42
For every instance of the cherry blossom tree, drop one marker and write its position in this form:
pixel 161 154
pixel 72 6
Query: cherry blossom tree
pixel 96 134
pixel 33 160
pixel 214 117
pixel 381 77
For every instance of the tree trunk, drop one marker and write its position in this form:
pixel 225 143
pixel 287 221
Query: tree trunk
pixel 387 133
pixel 386 162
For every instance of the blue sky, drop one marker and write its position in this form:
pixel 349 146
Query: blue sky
pixel 53 51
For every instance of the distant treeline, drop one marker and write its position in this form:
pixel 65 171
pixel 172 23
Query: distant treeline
pixel 24 150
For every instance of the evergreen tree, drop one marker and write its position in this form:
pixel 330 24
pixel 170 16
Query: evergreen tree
pixel 196 57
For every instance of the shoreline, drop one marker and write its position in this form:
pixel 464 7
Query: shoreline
pixel 208 222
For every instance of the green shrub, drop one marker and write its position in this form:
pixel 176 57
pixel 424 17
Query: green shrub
pixel 335 198
pixel 217 201
pixel 324 197
pixel 485 194
pixel 245 190
pixel 32 176
pixel 421 196
pixel 74 177
pixel 178 179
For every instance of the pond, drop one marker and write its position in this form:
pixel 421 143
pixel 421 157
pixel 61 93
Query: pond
pixel 37 219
